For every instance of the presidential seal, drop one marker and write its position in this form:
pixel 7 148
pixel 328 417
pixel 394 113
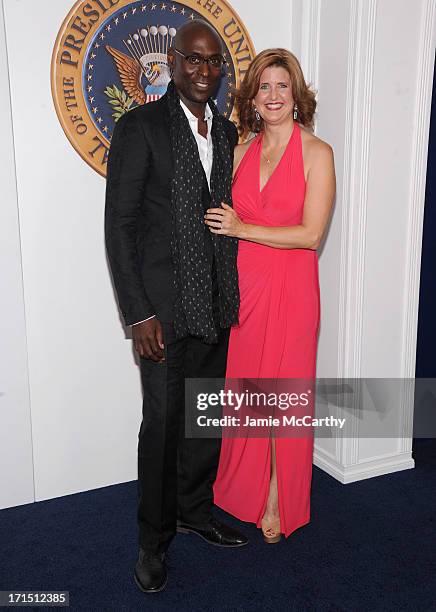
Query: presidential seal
pixel 111 56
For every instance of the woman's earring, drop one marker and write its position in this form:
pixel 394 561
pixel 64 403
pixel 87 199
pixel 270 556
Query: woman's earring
pixel 295 112
pixel 256 114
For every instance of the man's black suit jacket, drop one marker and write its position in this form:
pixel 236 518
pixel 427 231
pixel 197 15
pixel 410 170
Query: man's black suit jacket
pixel 138 211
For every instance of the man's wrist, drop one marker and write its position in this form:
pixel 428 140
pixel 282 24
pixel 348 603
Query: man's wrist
pixel 143 321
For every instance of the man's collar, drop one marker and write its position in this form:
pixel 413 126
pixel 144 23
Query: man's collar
pixel 207 112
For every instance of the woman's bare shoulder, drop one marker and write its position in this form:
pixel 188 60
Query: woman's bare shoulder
pixel 243 146
pixel 240 151
pixel 317 154
pixel 314 146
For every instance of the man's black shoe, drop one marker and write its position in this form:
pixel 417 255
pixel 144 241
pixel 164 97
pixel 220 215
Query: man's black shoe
pixel 215 533
pixel 151 572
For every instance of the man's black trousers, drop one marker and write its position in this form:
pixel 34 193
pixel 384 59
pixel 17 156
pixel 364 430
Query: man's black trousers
pixel 175 474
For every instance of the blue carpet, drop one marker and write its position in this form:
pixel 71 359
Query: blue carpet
pixel 370 546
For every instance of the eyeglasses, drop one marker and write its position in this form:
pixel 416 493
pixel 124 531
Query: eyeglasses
pixel 195 59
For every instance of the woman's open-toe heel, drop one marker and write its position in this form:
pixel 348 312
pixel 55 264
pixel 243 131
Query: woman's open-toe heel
pixel 271 531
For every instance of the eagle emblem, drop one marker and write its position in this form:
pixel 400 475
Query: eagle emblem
pixel 146 59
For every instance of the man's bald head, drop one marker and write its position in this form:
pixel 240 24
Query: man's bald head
pixel 192 29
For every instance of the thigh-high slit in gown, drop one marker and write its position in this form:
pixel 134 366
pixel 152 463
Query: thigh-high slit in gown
pixel 276 338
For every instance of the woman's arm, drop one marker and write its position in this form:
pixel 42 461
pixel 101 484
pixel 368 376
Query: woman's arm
pixel 320 191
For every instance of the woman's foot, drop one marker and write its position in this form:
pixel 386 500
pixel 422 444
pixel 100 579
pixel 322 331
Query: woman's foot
pixel 271 518
pixel 271 531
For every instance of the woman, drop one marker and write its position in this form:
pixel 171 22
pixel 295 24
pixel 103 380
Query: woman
pixel 283 189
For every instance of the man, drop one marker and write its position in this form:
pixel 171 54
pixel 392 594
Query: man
pixel 177 286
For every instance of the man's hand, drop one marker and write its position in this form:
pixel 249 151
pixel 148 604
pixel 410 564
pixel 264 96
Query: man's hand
pixel 148 340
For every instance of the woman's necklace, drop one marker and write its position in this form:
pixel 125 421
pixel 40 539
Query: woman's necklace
pixel 270 160
pixel 267 159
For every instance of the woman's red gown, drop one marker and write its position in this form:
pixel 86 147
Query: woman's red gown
pixel 276 338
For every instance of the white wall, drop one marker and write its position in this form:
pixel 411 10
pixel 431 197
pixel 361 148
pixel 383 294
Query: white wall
pixel 16 469
pixel 373 65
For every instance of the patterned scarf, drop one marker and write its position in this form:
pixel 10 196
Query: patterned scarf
pixel 193 279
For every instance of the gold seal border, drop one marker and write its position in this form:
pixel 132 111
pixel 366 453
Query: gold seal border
pixel 57 74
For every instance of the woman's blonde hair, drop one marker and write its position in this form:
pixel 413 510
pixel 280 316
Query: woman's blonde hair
pixel 303 96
